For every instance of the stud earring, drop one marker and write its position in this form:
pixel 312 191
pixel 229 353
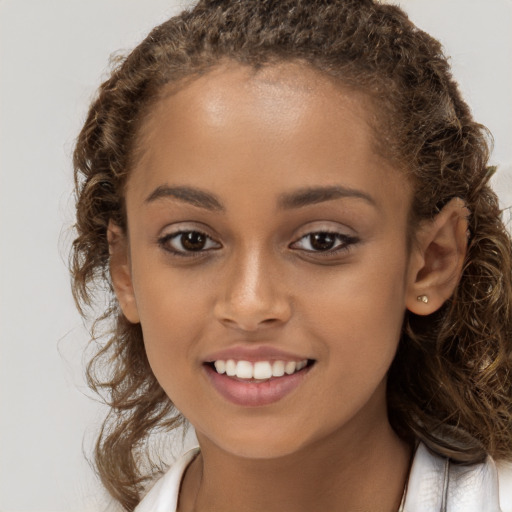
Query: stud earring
pixel 422 298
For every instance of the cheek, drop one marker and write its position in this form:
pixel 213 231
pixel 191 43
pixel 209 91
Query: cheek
pixel 361 310
pixel 173 311
pixel 169 299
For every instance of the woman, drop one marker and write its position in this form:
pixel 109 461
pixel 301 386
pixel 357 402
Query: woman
pixel 290 202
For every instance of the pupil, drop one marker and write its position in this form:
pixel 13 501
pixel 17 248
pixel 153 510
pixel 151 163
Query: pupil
pixel 322 241
pixel 193 241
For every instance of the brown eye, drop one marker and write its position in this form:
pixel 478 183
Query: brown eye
pixel 184 242
pixel 193 240
pixel 322 241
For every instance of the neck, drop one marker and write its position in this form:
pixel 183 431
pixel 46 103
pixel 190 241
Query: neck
pixel 342 472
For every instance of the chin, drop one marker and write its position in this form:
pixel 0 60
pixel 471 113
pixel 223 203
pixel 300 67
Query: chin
pixel 261 450
pixel 257 443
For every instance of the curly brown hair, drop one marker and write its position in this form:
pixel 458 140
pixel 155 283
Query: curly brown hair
pixel 450 384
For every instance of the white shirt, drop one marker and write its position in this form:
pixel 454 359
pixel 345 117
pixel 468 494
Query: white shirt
pixel 435 485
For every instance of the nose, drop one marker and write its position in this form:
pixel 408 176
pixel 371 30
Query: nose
pixel 253 296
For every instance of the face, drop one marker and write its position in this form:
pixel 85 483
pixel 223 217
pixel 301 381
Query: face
pixel 267 258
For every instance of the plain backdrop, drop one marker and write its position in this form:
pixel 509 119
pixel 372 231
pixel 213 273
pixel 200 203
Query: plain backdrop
pixel 53 55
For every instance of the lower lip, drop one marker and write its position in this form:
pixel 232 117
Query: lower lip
pixel 254 394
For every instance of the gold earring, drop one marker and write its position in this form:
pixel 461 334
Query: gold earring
pixel 422 298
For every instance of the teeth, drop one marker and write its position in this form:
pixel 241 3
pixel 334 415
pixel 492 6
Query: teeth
pixel 220 366
pixel 301 364
pixel 244 370
pixel 290 367
pixel 278 369
pixel 230 368
pixel 261 370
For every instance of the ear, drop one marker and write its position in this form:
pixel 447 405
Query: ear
pixel 437 258
pixel 120 271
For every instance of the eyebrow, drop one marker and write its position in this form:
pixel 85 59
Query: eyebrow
pixel 193 196
pixel 314 195
pixel 297 199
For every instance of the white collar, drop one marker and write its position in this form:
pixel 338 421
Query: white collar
pixel 163 496
pixel 435 485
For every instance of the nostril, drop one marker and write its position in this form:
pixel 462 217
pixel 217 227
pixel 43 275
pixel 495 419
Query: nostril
pixel 248 324
pixel 270 321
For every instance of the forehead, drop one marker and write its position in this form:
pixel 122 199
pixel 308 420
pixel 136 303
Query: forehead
pixel 252 124
pixel 284 95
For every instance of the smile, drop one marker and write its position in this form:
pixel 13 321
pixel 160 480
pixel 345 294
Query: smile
pixel 256 383
pixel 259 370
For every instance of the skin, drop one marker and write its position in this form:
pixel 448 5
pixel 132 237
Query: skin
pixel 249 139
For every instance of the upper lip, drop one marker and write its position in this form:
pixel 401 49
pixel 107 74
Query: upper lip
pixel 253 354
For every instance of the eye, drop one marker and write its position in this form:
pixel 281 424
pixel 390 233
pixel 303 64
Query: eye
pixel 190 242
pixel 324 242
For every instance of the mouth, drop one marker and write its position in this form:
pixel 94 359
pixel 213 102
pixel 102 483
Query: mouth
pixel 258 371
pixel 256 383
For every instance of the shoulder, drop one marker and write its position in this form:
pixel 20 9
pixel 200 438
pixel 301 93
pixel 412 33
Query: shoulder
pixel 435 483
pixel 505 484
pixel 163 496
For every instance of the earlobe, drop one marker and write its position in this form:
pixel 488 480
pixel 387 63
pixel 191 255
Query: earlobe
pixel 120 272
pixel 437 259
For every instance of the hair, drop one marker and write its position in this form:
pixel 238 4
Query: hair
pixel 450 384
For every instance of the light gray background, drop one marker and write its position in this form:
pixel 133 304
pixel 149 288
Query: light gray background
pixel 53 54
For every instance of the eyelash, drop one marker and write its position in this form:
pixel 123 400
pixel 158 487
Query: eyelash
pixel 165 240
pixel 344 243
